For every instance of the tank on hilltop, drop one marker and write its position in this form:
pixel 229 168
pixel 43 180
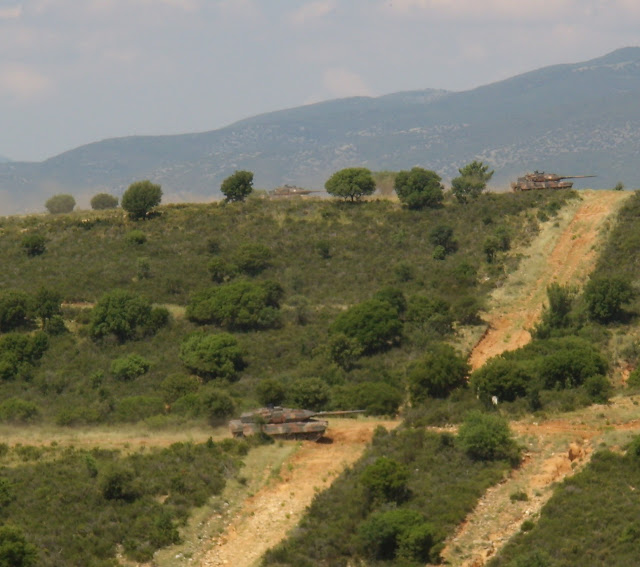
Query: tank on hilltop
pixel 285 423
pixel 542 180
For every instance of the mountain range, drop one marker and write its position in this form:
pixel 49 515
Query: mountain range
pixel 581 118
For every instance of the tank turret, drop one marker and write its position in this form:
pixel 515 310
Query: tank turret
pixel 282 422
pixel 542 180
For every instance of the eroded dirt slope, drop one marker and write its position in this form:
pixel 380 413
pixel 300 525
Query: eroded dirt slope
pixel 565 252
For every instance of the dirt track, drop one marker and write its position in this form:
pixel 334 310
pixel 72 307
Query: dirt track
pixel 565 254
pixel 266 517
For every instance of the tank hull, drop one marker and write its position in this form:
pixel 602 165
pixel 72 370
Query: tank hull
pixel 526 185
pixel 312 429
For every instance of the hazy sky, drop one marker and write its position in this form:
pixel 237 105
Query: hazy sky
pixel 78 71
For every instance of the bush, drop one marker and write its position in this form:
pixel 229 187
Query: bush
pixel 442 235
pixel 271 392
pixel 309 393
pixel 15 551
pixel 60 204
pixel 212 356
pixel 220 270
pixel 177 385
pixel 103 201
pixel 119 313
pixel 140 198
pixel 376 398
pixel 252 258
pixel 605 297
pixel 16 410
pixel 135 237
pixel 240 305
pixel 374 324
pixel 14 309
pixel 385 481
pixel 130 367
pixel 34 244
pixel 218 406
pixel 118 483
pixel 439 373
pixel 430 314
pixel 487 437
pixel 396 534
pixel 138 408
pixel 238 186
pixel 343 350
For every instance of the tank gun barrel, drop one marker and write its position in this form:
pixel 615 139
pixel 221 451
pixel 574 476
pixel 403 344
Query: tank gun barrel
pixel 577 176
pixel 341 412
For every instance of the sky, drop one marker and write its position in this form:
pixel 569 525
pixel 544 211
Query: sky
pixel 74 72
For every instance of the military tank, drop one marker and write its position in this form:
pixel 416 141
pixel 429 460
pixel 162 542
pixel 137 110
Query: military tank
pixel 286 423
pixel 542 180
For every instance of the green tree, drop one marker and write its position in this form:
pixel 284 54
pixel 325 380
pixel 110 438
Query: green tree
pixel 271 392
pixel 15 550
pixel 60 204
pixel 374 324
pixel 490 247
pixel 103 201
pixel 212 356
pixel 178 385
pixel 120 313
pixel 419 188
pixel 14 309
pixel 140 198
pixel 606 296
pixel 440 371
pixel 47 304
pixel 309 393
pixel 220 270
pixel 487 437
pixel 129 367
pixel 344 350
pixel 34 244
pixel 238 186
pixel 430 314
pixel 351 183
pixel 218 406
pixel 557 314
pixel 472 181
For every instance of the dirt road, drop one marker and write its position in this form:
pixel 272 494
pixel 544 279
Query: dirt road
pixel 277 507
pixel 565 252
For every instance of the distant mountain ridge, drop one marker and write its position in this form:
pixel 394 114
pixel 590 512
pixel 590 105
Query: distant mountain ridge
pixel 581 118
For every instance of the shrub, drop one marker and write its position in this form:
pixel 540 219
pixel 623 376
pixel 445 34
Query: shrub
pixel 238 305
pixel 385 481
pixel 59 204
pixel 505 379
pixel 158 318
pixel 140 198
pixel 34 244
pixel 14 309
pixel 396 534
pixel 135 237
pixel 376 398
pixel 309 393
pixel 252 258
pixel 118 483
pixel 16 410
pixel 15 550
pixel 212 356
pixel 438 373
pixel 487 437
pixel 129 367
pixel 606 296
pixel 218 406
pixel 178 385
pixel 137 408
pixel 442 235
pixel 344 350
pixel 120 313
pixel 374 324
pixel 47 304
pixel 103 201
pixel 271 392
pixel 394 297
pixel 471 182
pixel 220 270
pixel 430 314
pixel 238 186
pixel 598 389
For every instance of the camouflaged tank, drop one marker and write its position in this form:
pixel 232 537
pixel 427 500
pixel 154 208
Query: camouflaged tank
pixel 542 180
pixel 285 423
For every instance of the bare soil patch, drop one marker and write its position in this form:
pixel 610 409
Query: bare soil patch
pixel 565 252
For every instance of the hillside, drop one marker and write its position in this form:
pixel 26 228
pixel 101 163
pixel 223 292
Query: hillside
pixel 579 118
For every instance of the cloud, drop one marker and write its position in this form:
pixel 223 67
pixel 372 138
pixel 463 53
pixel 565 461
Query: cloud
pixel 510 10
pixel 22 82
pixel 341 82
pixel 10 12
pixel 311 12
